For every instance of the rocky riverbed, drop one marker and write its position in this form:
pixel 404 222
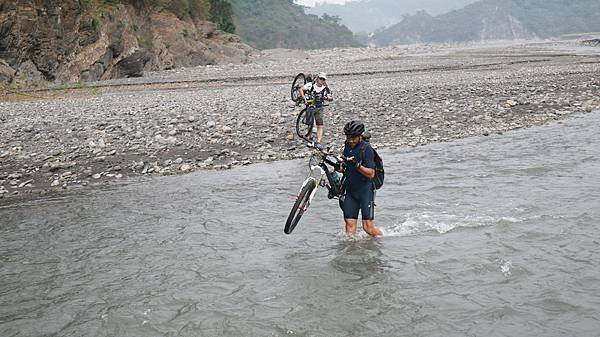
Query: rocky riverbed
pixel 219 117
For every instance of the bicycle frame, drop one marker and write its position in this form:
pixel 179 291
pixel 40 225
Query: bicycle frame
pixel 316 174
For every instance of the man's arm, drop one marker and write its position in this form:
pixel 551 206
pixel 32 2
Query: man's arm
pixel 328 94
pixel 366 166
pixel 367 172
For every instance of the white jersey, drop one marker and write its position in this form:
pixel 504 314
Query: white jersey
pixel 316 88
pixel 318 92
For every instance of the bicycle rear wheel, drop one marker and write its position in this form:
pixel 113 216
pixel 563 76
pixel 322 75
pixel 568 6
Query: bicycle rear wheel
pixel 298 82
pixel 299 207
pixel 304 127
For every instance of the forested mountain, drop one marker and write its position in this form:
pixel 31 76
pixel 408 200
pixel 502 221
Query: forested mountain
pixel 366 16
pixel 282 24
pixel 496 19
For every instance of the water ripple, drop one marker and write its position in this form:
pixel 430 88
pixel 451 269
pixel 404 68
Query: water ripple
pixel 483 236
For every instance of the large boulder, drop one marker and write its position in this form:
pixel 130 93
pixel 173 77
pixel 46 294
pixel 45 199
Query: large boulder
pixel 7 73
pixel 28 74
pixel 133 65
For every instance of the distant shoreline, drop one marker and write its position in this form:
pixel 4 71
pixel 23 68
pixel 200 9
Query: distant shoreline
pixel 218 117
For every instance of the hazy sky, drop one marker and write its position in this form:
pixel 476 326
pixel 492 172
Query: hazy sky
pixel 312 2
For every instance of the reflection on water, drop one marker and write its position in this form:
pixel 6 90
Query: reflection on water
pixel 359 257
pixel 484 236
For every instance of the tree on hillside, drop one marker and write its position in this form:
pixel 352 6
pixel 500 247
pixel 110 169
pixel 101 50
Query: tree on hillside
pixel 221 13
pixel 268 24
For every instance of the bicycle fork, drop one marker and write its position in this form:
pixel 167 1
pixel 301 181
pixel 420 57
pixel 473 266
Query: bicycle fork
pixel 316 175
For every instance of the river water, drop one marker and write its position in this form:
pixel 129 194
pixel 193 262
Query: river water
pixel 491 236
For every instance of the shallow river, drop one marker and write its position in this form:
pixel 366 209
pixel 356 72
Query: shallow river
pixel 492 236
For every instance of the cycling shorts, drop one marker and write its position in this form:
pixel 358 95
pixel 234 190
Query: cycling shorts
pixel 362 200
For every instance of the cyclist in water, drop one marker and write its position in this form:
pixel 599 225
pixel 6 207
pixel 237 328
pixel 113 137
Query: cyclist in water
pixel 360 191
pixel 321 92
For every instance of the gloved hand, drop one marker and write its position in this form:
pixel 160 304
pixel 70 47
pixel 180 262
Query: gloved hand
pixel 352 161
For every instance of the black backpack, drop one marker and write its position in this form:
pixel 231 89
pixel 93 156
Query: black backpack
pixel 379 172
pixel 308 78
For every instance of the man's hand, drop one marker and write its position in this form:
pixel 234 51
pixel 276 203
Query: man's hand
pixel 352 161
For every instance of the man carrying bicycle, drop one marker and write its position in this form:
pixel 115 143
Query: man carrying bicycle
pixel 360 190
pixel 320 92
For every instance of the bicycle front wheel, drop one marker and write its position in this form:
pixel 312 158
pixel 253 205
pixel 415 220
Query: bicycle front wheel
pixel 300 206
pixel 298 82
pixel 304 124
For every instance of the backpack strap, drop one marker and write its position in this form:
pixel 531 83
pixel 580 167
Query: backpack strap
pixel 362 151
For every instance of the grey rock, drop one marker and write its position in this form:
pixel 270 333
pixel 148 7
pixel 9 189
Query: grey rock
pixel 133 65
pixel 14 176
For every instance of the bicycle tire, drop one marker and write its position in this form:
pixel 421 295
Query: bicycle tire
pixel 298 82
pixel 297 211
pixel 302 130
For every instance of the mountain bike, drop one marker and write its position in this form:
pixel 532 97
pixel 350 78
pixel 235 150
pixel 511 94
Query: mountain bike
pixel 306 120
pixel 298 82
pixel 319 169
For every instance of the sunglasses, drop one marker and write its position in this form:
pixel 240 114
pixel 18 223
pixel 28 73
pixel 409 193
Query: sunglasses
pixel 321 78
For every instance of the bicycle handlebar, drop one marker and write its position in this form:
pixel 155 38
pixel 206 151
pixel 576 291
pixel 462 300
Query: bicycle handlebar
pixel 313 102
pixel 339 158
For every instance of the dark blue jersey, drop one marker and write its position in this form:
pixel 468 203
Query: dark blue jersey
pixel 354 179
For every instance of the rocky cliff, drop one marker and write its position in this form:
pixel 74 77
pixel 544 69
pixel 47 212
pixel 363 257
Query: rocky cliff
pixel 65 41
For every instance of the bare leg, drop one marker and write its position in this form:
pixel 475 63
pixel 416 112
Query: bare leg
pixel 319 133
pixel 350 226
pixel 369 227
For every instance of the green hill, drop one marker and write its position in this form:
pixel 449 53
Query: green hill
pixel 366 16
pixel 496 19
pixel 266 24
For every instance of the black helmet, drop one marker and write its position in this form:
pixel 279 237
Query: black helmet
pixel 354 128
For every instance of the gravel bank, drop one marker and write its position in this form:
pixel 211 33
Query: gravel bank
pixel 218 117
